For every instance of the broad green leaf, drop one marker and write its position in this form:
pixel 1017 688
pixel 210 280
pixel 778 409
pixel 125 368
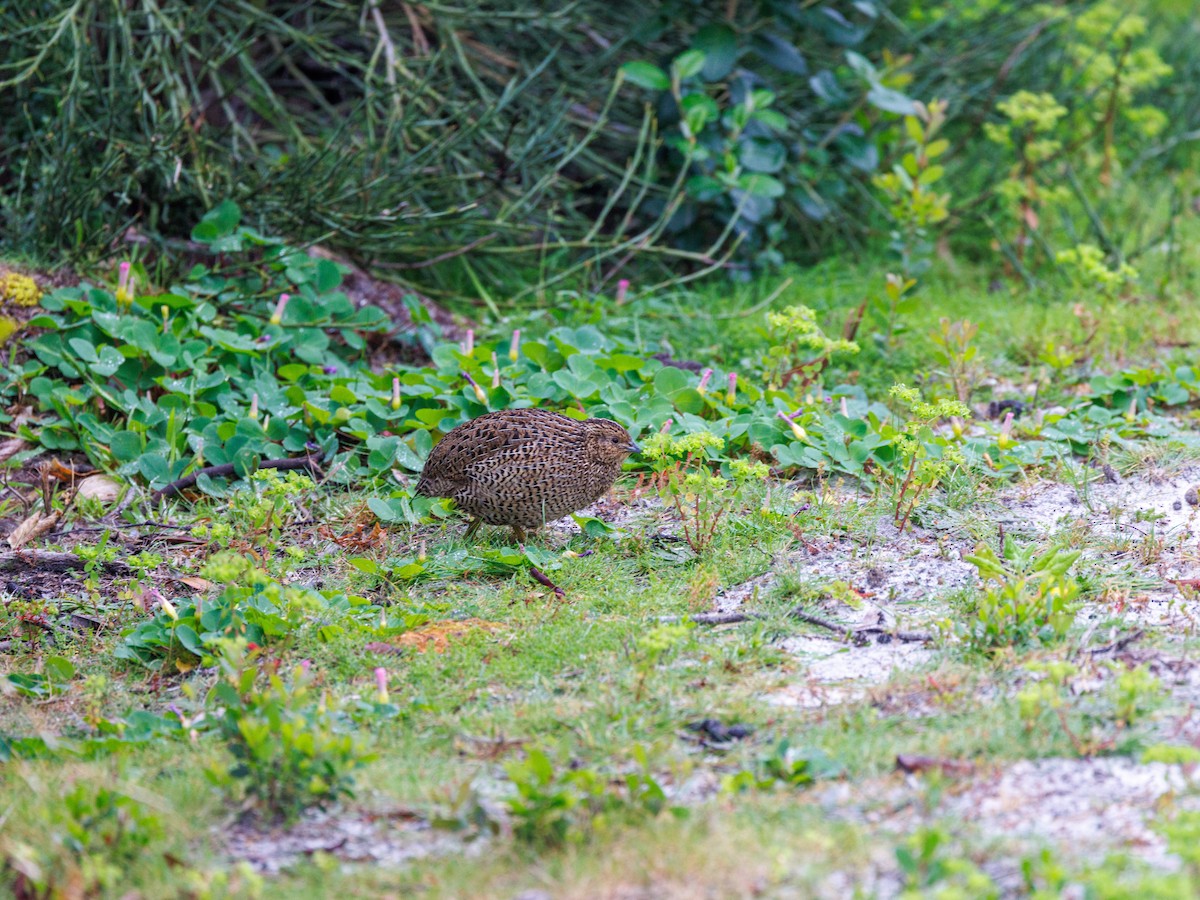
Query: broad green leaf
pixel 757 185
pixel 646 75
pixel 58 669
pixel 889 100
pixel 217 222
pixel 687 64
pixel 669 379
pixel 329 276
pixel 718 43
pixel 85 350
pixel 125 446
pixel 780 54
pixel 762 155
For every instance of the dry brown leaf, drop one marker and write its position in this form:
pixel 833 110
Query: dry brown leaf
pixel 56 468
pixel 195 583
pixel 12 447
pixel 36 525
pixel 438 635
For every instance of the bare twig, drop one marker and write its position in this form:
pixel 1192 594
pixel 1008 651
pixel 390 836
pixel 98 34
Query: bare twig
pixel 420 42
pixel 541 578
pixel 856 635
pixel 223 471
pixel 389 49
pixel 907 762
pixel 1119 644
pixel 718 618
pixel 761 305
pixel 442 257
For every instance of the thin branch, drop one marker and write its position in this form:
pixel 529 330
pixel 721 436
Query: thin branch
pixel 223 471
pixel 449 254
pixel 854 635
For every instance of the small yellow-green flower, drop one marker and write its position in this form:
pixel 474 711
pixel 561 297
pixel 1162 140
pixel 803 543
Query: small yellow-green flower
pixel 19 290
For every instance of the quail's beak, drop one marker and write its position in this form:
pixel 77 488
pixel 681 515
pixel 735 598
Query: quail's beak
pixel 632 447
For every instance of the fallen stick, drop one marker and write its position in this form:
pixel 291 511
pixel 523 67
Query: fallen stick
pixel 725 618
pixel 542 578
pixel 911 763
pixel 1119 644
pixel 223 471
pixel 798 613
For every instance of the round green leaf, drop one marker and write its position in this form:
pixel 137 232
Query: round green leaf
pixel 669 379
pixel 125 446
pixel 762 155
pixel 718 43
pixel 217 222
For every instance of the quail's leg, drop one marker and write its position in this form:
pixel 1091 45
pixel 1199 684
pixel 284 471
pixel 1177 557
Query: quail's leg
pixel 472 528
pixel 519 534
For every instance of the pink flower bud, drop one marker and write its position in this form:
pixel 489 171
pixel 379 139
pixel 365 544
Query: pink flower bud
pixel 622 290
pixel 731 394
pixel 277 316
pixel 395 393
pixel 468 346
pixel 495 371
pixel 514 348
pixel 254 406
pixel 1005 437
pixel 381 681
pixel 704 378
pixel 125 286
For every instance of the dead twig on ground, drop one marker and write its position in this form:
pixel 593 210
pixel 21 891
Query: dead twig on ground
pixel 856 635
pixel 224 471
pixel 914 763
pixel 542 578
pixel 1119 644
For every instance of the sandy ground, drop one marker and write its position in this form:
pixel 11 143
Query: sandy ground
pixel 1081 808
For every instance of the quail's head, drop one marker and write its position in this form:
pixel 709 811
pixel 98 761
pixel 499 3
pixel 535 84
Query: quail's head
pixel 608 443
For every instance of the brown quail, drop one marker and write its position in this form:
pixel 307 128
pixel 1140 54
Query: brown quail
pixel 525 467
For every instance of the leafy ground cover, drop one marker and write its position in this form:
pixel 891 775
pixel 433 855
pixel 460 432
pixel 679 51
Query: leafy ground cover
pixel 824 637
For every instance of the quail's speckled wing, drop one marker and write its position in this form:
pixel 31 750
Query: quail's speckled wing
pixel 497 446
